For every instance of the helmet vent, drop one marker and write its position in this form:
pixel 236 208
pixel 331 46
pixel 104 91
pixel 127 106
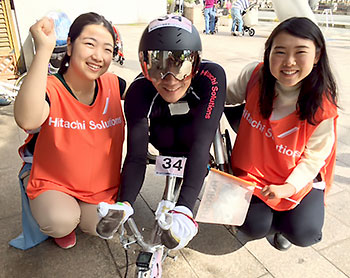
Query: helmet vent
pixel 160 37
pixel 179 37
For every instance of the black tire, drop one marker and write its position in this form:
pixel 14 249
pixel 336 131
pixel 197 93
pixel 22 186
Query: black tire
pixel 222 167
pixel 20 79
pixel 228 146
pixel 251 32
pixel 18 84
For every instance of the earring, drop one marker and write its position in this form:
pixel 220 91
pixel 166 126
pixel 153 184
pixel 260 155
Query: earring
pixel 66 64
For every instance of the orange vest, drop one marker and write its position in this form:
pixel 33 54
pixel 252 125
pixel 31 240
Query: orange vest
pixel 79 147
pixel 266 151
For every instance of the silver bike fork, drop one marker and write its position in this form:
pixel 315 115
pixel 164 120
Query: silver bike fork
pixel 172 188
pixel 155 258
pixel 171 193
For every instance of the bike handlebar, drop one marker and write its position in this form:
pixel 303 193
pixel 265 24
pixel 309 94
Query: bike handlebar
pixel 138 238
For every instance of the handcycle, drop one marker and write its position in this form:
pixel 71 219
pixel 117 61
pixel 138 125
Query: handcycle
pixel 153 253
pixel 9 90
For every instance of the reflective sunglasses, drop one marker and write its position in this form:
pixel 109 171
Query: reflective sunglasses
pixel 157 64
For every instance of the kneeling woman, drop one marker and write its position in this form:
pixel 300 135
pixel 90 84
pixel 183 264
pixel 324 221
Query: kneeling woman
pixel 287 137
pixel 77 157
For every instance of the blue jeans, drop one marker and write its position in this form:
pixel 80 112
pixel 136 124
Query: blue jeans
pixel 209 17
pixel 236 17
pixel 31 234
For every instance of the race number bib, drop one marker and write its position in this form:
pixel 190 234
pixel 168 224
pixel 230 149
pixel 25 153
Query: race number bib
pixel 170 166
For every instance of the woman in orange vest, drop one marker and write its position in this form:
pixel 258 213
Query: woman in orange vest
pixel 287 134
pixel 78 149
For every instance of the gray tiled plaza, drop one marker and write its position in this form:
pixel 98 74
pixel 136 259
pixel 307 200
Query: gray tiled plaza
pixel 216 251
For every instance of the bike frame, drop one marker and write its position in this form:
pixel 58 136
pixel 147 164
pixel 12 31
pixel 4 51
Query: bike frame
pixel 158 251
pixel 153 253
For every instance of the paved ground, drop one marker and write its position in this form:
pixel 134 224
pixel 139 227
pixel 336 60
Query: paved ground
pixel 216 251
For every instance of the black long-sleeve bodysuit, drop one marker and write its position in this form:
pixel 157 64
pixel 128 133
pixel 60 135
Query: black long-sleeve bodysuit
pixel 149 120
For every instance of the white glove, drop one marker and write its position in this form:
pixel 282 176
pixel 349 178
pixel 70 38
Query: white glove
pixel 163 206
pixel 178 227
pixel 111 217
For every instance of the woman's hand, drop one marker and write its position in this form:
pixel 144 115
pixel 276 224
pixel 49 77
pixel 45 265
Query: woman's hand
pixel 43 33
pixel 31 108
pixel 278 191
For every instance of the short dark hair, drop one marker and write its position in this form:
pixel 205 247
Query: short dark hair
pixel 320 81
pixel 77 27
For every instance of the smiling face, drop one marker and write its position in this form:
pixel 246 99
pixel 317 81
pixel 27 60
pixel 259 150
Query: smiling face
pixel 292 58
pixel 170 88
pixel 91 53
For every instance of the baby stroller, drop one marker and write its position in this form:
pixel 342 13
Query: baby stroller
pixel 250 18
pixel 118 55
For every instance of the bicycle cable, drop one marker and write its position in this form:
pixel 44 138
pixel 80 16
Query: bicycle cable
pixel 127 263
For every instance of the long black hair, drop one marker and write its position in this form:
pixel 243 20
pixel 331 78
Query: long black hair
pixel 320 81
pixel 77 27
